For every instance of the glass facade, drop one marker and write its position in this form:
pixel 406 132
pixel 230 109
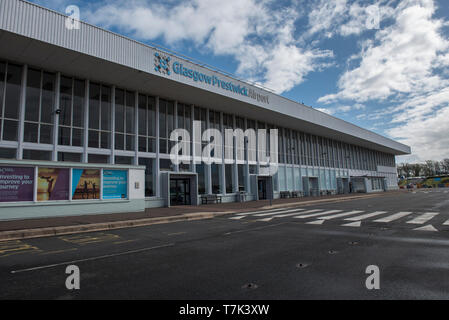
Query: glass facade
pixel 121 125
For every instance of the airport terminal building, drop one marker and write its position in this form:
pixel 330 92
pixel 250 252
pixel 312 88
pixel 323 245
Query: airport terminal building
pixel 86 117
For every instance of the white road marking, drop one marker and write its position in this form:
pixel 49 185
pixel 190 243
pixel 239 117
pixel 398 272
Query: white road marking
pixel 423 218
pixel 316 222
pixel 353 224
pixel 260 211
pixel 340 215
pixel 446 223
pixel 286 215
pixel 393 217
pixel 366 216
pixel 302 216
pixel 429 227
pixel 94 258
pixel 277 212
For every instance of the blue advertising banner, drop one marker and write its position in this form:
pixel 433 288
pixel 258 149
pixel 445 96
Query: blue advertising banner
pixel 115 184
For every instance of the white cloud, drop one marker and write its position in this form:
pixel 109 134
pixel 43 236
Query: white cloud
pixel 407 64
pixel 400 60
pixel 260 39
pixel 345 18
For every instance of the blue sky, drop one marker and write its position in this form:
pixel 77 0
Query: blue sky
pixel 380 64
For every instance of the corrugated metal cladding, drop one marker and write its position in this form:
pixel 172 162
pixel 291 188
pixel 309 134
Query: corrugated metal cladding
pixel 33 21
pixel 42 24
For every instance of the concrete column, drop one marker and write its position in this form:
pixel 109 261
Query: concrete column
pixel 86 120
pixel 157 166
pixel 208 169
pixel 112 158
pixel 56 116
pixel 136 128
pixel 21 127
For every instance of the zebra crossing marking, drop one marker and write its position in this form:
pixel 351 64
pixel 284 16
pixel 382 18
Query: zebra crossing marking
pixel 260 211
pixel 366 216
pixel 277 212
pixel 429 227
pixel 316 222
pixel 423 218
pixel 302 216
pixel 278 216
pixel 340 215
pixel 394 217
pixel 353 224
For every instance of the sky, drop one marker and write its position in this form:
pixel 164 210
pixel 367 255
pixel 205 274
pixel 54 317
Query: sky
pixel 380 64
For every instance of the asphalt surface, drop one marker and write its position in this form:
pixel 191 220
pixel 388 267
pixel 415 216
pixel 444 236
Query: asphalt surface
pixel 281 254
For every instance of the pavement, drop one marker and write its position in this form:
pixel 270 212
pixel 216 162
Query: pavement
pixel 318 251
pixel 32 228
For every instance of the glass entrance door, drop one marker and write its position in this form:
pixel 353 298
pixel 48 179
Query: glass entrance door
pixel 180 192
pixel 262 189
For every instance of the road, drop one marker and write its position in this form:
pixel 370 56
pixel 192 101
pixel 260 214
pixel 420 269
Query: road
pixel 313 252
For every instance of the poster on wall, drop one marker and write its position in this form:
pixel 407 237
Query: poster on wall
pixel 115 184
pixel 16 184
pixel 52 184
pixel 86 184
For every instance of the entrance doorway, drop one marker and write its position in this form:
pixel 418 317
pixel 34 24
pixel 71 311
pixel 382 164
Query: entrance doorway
pixel 180 192
pixel 262 188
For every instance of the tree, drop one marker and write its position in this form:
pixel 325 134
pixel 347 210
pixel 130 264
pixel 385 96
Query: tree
pixel 416 168
pixel 429 168
pixel 445 165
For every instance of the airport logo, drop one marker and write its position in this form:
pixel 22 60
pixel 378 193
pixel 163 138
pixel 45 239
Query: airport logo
pixel 162 63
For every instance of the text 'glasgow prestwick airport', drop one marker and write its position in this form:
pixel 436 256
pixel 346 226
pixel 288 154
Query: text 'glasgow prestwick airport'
pixel 178 68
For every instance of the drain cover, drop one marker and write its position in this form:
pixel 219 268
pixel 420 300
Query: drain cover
pixel 302 265
pixel 250 286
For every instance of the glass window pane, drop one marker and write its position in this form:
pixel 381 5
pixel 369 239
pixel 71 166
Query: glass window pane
pixel 2 85
pixel 142 116
pixel 69 157
pixel 162 117
pixel 65 117
pixel 130 106
pixel 12 99
pixel 105 108
pixel 201 179
pixel 142 144
pixel 119 110
pixel 130 142
pixel 94 106
pixel 77 137
pixel 46 134
pixel 10 130
pixel 33 95
pixel 78 103
pixel 151 117
pixel 48 97
pixel 228 173
pixel 165 165
pixel 123 160
pixel 215 175
pixel 64 136
pixel 94 140
pixel 98 158
pixel 149 176
pixel 31 132
pixel 119 142
pixel 7 153
pixel 36 155
pixel 106 140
